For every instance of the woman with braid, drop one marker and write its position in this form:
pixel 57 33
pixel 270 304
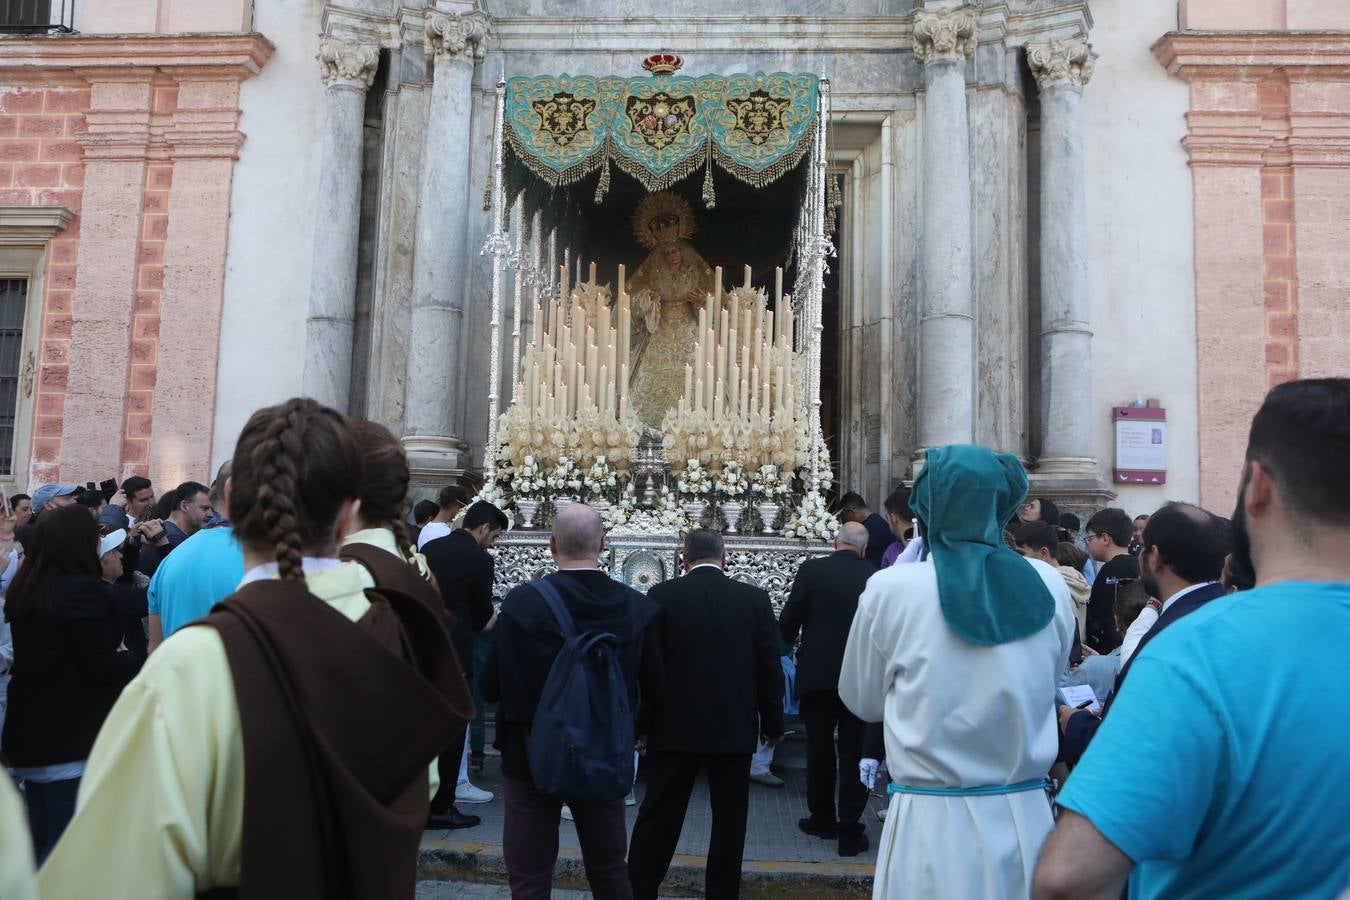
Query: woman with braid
pixel 279 747
pixel 380 544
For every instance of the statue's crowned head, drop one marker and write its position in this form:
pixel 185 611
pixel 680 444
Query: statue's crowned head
pixel 663 218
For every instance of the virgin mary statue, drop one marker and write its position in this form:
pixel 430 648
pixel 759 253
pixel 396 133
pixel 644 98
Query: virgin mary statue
pixel 667 290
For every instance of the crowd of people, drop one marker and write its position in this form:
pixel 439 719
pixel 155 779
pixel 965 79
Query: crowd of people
pixel 268 686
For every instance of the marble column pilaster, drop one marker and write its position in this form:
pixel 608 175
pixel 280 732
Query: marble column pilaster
pixel 1061 69
pixel 347 70
pixel 441 268
pixel 942 42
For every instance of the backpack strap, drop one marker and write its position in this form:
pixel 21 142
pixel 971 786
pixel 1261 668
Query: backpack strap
pixel 556 606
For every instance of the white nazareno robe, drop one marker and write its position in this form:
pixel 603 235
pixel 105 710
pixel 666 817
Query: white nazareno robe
pixel 956 714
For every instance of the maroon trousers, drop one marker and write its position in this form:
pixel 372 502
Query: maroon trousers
pixel 530 843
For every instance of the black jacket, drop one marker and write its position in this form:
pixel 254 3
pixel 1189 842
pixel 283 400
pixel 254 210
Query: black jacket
pixel 1101 613
pixel 527 640
pixel 821 606
pixel 1080 729
pixel 879 537
pixel 723 684
pixel 67 673
pixel 464 573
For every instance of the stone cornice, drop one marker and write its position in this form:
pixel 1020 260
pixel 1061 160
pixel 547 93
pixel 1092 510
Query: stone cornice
pixel 944 34
pixel 458 36
pixel 81 57
pixel 347 63
pixel 22 226
pixel 1253 55
pixel 1061 63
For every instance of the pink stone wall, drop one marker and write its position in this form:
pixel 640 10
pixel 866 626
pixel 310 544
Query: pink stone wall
pixel 141 145
pixel 1269 146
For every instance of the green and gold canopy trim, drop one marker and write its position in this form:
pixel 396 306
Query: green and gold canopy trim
pixel 662 128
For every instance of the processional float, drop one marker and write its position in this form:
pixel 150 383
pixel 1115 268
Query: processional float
pixel 662 398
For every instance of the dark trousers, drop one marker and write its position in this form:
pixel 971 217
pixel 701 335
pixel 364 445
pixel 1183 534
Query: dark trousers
pixel 530 842
pixel 822 712
pixel 670 780
pixel 50 806
pixel 447 764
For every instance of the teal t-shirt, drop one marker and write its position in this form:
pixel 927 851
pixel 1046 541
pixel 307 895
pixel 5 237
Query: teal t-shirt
pixel 1223 768
pixel 199 573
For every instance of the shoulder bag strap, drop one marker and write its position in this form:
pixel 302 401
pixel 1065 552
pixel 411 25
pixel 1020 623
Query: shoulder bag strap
pixel 556 606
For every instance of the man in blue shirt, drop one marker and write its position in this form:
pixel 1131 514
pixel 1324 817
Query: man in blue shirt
pixel 204 569
pixel 1222 771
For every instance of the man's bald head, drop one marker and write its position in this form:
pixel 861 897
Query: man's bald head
pixel 578 532
pixel 1191 541
pixel 852 536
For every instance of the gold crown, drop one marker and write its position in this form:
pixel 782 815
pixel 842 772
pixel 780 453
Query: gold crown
pixel 662 63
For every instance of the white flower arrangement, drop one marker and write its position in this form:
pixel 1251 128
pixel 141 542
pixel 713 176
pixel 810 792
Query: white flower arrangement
pixel 668 511
pixel 601 482
pixel 824 468
pixel 731 482
pixel 813 520
pixel 489 493
pixel 767 483
pixel 694 483
pixel 527 480
pixel 565 479
pixel 621 509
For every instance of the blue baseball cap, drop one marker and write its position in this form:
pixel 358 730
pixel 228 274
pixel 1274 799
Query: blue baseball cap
pixel 45 494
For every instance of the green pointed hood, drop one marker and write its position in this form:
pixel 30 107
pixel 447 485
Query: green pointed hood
pixel 962 499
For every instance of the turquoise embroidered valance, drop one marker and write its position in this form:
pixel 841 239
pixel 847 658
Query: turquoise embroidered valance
pixel 661 128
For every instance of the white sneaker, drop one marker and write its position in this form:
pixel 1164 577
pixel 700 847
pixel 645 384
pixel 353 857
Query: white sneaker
pixel 567 812
pixel 631 799
pixel 467 793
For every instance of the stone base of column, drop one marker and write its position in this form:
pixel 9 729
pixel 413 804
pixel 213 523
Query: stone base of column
pixel 1074 483
pixel 435 462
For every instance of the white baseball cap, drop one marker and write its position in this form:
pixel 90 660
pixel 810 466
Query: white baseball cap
pixel 110 542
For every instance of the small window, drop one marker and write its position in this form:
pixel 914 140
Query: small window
pixel 13 307
pixel 36 16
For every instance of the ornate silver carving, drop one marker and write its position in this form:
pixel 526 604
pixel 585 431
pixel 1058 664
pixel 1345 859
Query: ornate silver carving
pixel 944 34
pixel 458 36
pixel 641 560
pixel 1061 63
pixel 347 62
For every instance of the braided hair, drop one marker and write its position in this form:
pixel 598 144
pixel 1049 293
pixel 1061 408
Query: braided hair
pixel 294 467
pixel 384 490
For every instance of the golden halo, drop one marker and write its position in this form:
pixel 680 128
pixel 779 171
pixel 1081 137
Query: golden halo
pixel 663 217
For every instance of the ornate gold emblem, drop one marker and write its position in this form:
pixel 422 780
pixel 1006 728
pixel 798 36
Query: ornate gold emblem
pixel 660 120
pixel 759 116
pixel 563 116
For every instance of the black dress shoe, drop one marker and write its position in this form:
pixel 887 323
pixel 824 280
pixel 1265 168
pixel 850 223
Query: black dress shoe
pixel 853 843
pixel 815 829
pixel 452 818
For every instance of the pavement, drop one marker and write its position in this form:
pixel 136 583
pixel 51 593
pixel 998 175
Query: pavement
pixel 780 861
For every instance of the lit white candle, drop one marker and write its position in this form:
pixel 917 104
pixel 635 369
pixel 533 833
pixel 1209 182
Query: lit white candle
pixel 622 277
pixel 688 380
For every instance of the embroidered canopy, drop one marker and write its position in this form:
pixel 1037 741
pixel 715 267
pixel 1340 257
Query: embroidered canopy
pixel 661 128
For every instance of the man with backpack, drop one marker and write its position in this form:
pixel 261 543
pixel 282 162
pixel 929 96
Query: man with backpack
pixel 566 668
pixel 721 668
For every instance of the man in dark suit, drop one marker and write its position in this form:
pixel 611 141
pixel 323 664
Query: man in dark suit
pixel 1182 560
pixel 853 508
pixel 464 572
pixel 722 675
pixel 821 606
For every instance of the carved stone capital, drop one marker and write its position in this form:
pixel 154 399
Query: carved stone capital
pixel 347 62
pixel 1061 63
pixel 458 36
pixel 944 34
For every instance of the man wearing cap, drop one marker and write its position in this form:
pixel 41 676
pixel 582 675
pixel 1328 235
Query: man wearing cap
pixel 53 496
pixel 957 655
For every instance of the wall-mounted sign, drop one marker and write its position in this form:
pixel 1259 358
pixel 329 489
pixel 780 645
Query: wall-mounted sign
pixel 1141 445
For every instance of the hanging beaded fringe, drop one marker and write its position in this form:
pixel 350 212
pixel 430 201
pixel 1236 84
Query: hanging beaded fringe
pixel 709 193
pixel 602 187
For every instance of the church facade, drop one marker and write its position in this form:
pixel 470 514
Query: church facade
pixel 1047 212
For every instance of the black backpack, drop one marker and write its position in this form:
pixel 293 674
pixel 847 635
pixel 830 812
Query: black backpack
pixel 581 742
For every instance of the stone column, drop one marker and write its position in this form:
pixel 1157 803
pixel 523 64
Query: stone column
pixel 1061 69
pixel 441 269
pixel 347 70
pixel 942 42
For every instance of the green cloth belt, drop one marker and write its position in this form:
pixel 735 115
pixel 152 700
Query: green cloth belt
pixel 1035 784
